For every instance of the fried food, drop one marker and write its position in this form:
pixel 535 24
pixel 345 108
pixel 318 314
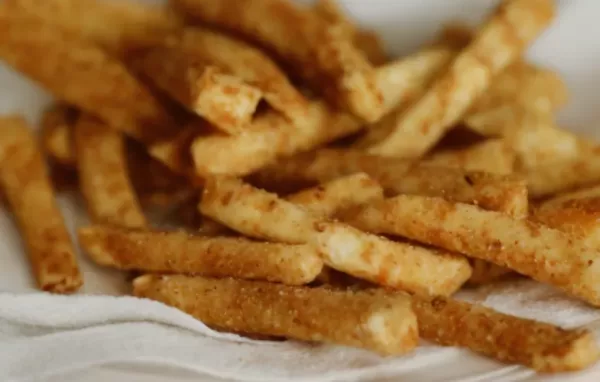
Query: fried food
pixel 493 156
pixel 103 175
pixel 57 130
pixel 383 323
pixel 179 252
pixel 26 186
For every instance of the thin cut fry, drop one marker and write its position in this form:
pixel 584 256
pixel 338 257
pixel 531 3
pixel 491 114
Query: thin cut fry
pixel 179 252
pixel 398 176
pixel 223 99
pixel 82 74
pixel 401 265
pixel 132 24
pixel 321 53
pixel 103 176
pixel 420 127
pixel 57 129
pixel 544 254
pixel 28 190
pixel 494 156
pixel 382 323
pixel 544 347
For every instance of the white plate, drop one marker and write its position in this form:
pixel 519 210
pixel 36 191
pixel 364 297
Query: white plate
pixel 571 47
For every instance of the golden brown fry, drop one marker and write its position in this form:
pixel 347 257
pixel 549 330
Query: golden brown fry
pixel 544 254
pixel 82 74
pixel 270 136
pixel 420 127
pixel 251 65
pixel 401 265
pixel 224 100
pixel 28 190
pixel 321 53
pixel 398 176
pixel 493 156
pixel 383 323
pixel 103 175
pixel 483 272
pixel 57 129
pixel 179 252
pixel 543 347
pixel 118 26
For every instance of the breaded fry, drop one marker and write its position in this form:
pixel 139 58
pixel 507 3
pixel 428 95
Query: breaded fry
pixel 131 25
pixel 82 75
pixel 401 265
pixel 26 186
pixel 544 254
pixel 57 129
pixel 179 252
pixel 321 53
pixel 175 153
pixel 541 346
pixel 493 156
pixel 270 136
pixel 221 98
pixel 398 176
pixel 383 323
pixel 251 65
pixel 103 175
pixel 471 73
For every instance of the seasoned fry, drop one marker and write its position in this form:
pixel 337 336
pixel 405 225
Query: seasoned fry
pixel 398 176
pixel 179 252
pixel 544 254
pixel 131 24
pixel 57 125
pixel 401 265
pixel 81 74
pixel 494 156
pixel 224 100
pixel 383 323
pixel 541 346
pixel 30 195
pixel 103 176
pixel 420 127
pixel 320 53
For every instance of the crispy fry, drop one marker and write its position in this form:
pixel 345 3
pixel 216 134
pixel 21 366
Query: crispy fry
pixel 132 24
pixel 27 188
pixel 57 129
pixel 321 53
pixel 420 127
pixel 223 99
pixel 401 265
pixel 103 176
pixel 494 156
pixel 544 254
pixel 544 347
pixel 251 65
pixel 82 74
pixel 398 176
pixel 179 252
pixel 383 323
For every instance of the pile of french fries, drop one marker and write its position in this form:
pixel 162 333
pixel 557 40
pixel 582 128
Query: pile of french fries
pixel 322 191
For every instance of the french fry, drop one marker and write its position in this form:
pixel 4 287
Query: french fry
pixel 132 24
pixel 251 65
pixel 57 129
pixel 321 53
pixel 30 195
pixel 103 175
pixel 221 98
pixel 260 214
pixel 382 323
pixel 493 156
pixel 270 136
pixel 179 252
pixel 544 254
pixel 82 75
pixel 398 176
pixel 541 346
pixel 471 73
